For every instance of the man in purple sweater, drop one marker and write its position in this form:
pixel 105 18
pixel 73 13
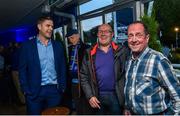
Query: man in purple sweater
pixel 102 73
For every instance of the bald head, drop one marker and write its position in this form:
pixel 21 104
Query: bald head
pixel 106 26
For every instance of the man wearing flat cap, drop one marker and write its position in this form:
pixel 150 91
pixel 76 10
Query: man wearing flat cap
pixel 76 52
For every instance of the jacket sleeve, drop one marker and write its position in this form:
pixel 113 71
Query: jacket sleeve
pixel 62 82
pixel 23 69
pixel 85 77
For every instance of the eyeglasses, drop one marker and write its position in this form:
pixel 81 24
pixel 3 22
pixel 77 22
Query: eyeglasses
pixel 137 35
pixel 105 31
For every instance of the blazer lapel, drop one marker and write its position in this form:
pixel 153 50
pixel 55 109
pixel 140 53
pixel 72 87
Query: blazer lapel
pixel 55 53
pixel 35 53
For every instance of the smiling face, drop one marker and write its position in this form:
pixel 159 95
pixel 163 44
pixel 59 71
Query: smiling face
pixel 137 38
pixel 105 35
pixel 46 29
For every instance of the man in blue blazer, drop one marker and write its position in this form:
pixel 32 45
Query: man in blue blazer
pixel 42 69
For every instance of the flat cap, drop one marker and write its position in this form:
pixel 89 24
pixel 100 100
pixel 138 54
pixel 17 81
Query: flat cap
pixel 71 32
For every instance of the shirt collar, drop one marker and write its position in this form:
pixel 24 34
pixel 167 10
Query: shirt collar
pixel 110 48
pixel 39 41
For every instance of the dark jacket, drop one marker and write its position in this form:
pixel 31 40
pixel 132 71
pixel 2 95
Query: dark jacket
pixel 88 75
pixel 81 52
pixel 30 69
pixel 80 55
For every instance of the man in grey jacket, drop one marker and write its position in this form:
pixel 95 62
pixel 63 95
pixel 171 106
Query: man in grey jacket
pixel 102 73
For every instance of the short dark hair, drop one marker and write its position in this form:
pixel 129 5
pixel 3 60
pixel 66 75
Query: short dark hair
pixel 146 31
pixel 43 18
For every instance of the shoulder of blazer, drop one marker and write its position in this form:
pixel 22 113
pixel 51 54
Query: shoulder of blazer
pixel 28 43
pixel 57 43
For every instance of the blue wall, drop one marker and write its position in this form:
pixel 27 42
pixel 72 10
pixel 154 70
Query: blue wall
pixel 20 34
pixel 16 35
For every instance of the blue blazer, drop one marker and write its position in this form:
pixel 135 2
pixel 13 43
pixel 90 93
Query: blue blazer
pixel 30 69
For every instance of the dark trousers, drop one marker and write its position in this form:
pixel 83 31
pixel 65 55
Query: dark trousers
pixel 82 106
pixel 48 97
pixel 109 104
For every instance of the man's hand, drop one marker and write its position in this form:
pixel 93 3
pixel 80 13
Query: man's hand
pixel 94 102
pixel 127 113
